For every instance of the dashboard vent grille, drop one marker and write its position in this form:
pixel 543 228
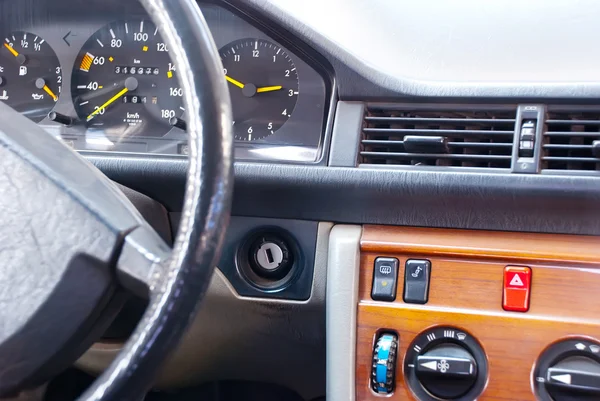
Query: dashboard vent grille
pixel 455 136
pixel 572 139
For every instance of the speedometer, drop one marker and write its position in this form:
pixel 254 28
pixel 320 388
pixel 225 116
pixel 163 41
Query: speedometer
pixel 124 83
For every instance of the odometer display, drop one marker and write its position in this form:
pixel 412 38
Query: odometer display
pixel 124 82
pixel 263 86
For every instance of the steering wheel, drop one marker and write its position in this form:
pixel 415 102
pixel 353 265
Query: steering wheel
pixel 70 239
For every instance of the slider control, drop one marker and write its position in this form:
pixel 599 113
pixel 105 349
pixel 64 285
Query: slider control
pixel 527 138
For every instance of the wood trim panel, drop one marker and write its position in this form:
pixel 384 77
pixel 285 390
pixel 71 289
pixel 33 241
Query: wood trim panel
pixel 482 244
pixel 466 292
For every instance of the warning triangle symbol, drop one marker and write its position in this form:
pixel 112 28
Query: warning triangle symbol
pixel 516 281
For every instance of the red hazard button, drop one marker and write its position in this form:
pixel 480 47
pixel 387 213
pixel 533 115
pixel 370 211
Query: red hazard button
pixel 517 288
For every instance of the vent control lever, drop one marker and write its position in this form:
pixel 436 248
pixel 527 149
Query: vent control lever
pixel 527 141
pixel 527 138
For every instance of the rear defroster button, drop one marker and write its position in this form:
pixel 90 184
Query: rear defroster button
pixel 385 277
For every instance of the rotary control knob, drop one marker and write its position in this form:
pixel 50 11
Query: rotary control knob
pixel 445 363
pixel 383 374
pixel 447 371
pixel 569 371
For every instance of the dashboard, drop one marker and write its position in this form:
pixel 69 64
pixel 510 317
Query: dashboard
pixel 105 83
pixel 322 111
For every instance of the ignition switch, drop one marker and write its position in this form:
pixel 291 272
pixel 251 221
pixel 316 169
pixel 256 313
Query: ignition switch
pixel 270 257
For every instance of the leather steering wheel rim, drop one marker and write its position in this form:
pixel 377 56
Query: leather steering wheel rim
pixel 70 241
pixel 184 276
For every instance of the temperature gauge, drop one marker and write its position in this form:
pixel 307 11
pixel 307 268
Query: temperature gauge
pixel 30 75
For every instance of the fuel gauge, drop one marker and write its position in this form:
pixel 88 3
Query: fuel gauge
pixel 30 75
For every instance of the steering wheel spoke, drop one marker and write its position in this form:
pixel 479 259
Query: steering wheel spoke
pixel 142 260
pixel 63 224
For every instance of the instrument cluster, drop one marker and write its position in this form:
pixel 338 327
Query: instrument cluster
pixel 106 83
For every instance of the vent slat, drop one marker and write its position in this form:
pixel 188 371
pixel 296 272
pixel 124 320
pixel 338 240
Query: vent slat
pixel 436 132
pixel 555 146
pixel 466 136
pixel 573 122
pixel 453 121
pixel 573 133
pixel 450 144
pixel 572 159
pixel 435 156
pixel 569 137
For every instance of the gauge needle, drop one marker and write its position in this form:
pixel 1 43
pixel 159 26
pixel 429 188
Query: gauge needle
pixel 268 88
pixel 233 81
pixel 20 58
pixel 131 84
pixel 49 91
pixel 108 103
pixel 40 83
pixel 10 49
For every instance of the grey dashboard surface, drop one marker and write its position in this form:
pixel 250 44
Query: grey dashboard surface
pixel 506 202
pixel 498 48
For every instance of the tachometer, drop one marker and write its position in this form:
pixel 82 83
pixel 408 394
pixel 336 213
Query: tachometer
pixel 124 82
pixel 263 84
pixel 30 75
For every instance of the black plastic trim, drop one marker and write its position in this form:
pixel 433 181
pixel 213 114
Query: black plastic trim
pixel 506 202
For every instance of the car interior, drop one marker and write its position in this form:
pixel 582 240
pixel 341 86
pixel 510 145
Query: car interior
pixel 285 200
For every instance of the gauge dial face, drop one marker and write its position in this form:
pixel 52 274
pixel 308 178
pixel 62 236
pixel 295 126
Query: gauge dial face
pixel 124 83
pixel 30 75
pixel 263 85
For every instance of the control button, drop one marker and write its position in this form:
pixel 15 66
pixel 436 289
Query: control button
pixel 416 281
pixel 447 371
pixel 445 363
pixel 584 377
pixel 527 138
pixel 517 288
pixel 436 361
pixel 383 375
pixel 385 276
pixel 569 370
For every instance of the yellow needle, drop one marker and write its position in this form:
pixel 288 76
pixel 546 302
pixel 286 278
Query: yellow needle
pixel 10 49
pixel 49 91
pixel 268 88
pixel 108 103
pixel 233 81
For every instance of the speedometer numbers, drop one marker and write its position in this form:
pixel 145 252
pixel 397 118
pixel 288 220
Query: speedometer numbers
pixel 263 86
pixel 124 82
pixel 30 75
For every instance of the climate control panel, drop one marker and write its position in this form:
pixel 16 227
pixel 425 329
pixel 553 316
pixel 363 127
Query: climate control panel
pixel 486 316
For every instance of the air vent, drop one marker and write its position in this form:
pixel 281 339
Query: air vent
pixel 456 136
pixel 572 139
